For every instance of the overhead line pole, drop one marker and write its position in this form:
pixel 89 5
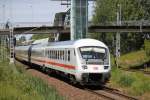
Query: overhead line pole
pixel 118 36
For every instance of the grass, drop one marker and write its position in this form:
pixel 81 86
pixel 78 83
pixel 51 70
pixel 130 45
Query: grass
pixel 3 52
pixel 19 86
pixel 136 84
pixel 133 83
pixel 133 59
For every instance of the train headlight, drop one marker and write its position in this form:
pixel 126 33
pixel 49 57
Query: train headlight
pixel 106 67
pixel 84 67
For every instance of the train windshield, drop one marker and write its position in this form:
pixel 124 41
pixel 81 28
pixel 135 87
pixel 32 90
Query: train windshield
pixel 93 53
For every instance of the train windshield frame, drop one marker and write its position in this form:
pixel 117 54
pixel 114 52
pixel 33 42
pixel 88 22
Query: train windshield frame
pixel 93 52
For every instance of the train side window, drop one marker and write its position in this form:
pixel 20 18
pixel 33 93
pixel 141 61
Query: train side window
pixel 54 54
pixel 47 54
pixel 57 54
pixel 68 55
pixel 60 55
pixel 66 58
pixel 50 53
pixel 74 52
pixel 63 54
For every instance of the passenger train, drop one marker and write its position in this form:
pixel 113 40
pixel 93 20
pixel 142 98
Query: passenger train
pixel 84 61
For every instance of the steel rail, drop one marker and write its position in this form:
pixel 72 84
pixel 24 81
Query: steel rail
pixel 110 91
pixel 117 92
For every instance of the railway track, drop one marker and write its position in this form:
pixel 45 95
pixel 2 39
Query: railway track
pixel 134 70
pixel 111 94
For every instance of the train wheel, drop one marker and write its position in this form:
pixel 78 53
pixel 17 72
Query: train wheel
pixel 49 71
pixel 43 68
pixel 72 79
pixel 46 70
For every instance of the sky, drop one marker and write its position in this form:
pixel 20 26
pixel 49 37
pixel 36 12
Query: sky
pixel 31 10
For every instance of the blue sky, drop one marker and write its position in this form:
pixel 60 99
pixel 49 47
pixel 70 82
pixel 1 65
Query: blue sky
pixel 31 10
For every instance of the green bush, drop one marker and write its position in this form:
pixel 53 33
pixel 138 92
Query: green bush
pixel 133 59
pixel 43 89
pixel 141 87
pixel 19 86
pixel 126 80
pixel 116 73
pixel 133 83
pixel 147 47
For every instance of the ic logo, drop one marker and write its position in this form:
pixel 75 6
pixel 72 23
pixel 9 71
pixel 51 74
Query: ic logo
pixel 95 68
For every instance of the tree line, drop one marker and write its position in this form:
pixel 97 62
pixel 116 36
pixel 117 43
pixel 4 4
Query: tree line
pixel 131 10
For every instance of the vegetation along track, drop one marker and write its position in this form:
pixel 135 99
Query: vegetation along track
pixel 136 70
pixel 111 94
pixel 107 93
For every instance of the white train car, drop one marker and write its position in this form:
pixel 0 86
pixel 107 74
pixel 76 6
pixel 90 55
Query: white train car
pixel 21 52
pixel 86 61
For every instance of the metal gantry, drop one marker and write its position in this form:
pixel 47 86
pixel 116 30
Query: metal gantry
pixel 3 47
pixel 11 40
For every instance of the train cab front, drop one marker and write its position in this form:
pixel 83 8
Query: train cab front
pixel 95 65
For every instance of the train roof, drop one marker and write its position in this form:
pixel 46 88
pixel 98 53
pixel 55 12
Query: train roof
pixel 78 43
pixel 67 44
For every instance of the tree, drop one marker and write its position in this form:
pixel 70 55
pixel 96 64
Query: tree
pixel 131 10
pixel 147 47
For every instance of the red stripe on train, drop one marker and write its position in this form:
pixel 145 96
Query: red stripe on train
pixel 56 64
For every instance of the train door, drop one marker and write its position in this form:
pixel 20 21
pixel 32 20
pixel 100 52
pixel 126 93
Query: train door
pixel 73 57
